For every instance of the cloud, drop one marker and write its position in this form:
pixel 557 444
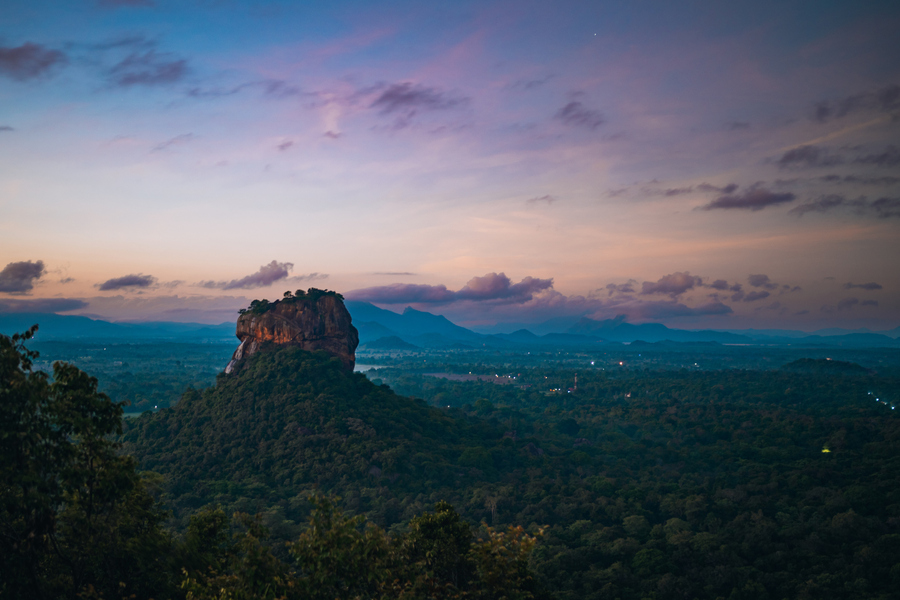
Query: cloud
pixel 882 208
pixel 762 281
pixel 41 305
pixel 128 281
pixel 719 284
pixel 548 199
pixel 863 286
pixel 148 68
pixel 857 180
pixel 889 158
pixel 528 84
pixel 396 273
pixel 285 145
pixel 737 125
pixel 493 287
pixel 806 157
pixel 266 276
pixel 175 141
pixel 6 128
pixel 28 61
pixel 847 303
pixel 753 199
pixel 577 114
pixel 756 295
pixel 869 303
pixel 670 309
pixel 728 189
pixel 886 99
pixel 674 284
pixel 19 277
pixel 406 100
pixel 622 288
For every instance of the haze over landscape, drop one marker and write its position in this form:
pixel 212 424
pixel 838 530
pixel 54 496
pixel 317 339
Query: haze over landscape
pixel 722 166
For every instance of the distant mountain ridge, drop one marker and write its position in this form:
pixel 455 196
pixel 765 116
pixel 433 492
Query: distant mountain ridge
pixel 427 330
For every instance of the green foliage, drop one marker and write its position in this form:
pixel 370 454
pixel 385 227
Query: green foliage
pixel 309 297
pixel 75 516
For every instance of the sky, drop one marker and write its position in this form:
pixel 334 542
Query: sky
pixel 719 165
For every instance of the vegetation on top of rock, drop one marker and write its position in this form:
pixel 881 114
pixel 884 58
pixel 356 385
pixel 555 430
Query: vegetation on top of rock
pixel 312 295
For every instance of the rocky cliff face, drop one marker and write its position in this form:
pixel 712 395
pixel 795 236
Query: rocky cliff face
pixel 313 321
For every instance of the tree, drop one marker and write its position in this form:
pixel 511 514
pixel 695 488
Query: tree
pixel 75 517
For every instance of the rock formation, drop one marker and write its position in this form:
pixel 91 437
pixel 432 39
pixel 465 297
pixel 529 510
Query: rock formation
pixel 312 320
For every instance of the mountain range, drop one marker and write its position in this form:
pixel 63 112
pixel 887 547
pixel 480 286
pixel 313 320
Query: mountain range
pixel 384 329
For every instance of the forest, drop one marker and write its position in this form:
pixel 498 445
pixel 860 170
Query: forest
pixel 295 478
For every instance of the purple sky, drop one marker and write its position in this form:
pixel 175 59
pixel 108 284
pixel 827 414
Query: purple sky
pixel 700 164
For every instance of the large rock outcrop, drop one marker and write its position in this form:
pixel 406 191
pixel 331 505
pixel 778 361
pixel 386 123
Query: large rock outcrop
pixel 313 320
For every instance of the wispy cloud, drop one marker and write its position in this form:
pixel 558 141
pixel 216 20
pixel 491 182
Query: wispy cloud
pixel 881 208
pixel 28 61
pixel 576 114
pixel 871 286
pixel 753 199
pixel 148 68
pixel 885 100
pixel 40 305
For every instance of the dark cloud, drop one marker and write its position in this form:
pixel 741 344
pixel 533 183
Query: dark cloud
pixel 493 287
pixel 737 125
pixel 528 84
pixel 622 288
pixel 548 199
pixel 847 303
pixel 869 303
pixel 128 281
pixel 577 114
pixel 28 61
pixel 670 309
pixel 857 180
pixel 6 128
pixel 762 281
pixel 41 305
pixel 890 157
pixel 719 284
pixel 285 145
pixel 274 88
pixel 266 276
pixel 405 100
pixel 673 284
pixel 863 286
pixel 882 208
pixel 756 295
pixel 728 189
pixel 808 156
pixel 677 191
pixel 148 68
pixel 754 199
pixel 19 277
pixel 175 141
pixel 331 134
pixel 885 100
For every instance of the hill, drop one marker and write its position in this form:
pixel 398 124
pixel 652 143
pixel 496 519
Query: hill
pixel 291 421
